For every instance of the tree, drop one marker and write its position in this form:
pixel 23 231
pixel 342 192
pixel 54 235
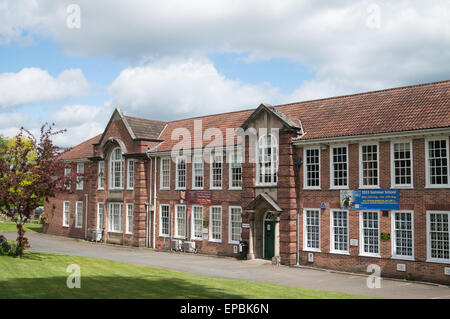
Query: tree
pixel 30 169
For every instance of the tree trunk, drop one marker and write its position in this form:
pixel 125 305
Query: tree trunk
pixel 22 241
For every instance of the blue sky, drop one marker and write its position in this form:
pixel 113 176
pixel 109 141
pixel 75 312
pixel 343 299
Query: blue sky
pixel 169 59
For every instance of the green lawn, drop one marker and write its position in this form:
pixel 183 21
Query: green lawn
pixel 43 275
pixel 11 227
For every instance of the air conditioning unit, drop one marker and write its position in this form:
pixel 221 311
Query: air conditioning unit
pixel 97 235
pixel 176 245
pixel 189 246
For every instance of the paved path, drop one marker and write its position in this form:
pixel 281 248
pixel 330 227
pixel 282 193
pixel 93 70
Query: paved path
pixel 254 270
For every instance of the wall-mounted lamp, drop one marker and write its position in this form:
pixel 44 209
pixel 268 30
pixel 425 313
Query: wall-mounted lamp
pixel 298 161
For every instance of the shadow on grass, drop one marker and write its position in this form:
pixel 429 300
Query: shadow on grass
pixel 110 287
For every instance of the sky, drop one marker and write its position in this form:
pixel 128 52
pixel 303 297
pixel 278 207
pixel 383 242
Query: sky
pixel 72 62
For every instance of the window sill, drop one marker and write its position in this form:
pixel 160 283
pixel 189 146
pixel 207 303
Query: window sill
pixel 130 189
pixel 215 241
pixel 369 187
pixel 438 261
pixel 370 255
pixel 180 188
pixel 401 187
pixel 197 239
pixel 311 188
pixel 180 237
pixel 78 227
pixel 216 188
pixel 402 258
pixel 313 250
pixel 235 188
pixel 233 243
pixel 437 186
pixel 197 188
pixel 265 185
pixel 339 188
pixel 65 226
pixel 115 232
pixel 165 236
pixel 340 253
pixel 127 233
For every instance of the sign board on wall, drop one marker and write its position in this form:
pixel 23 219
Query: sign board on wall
pixel 199 197
pixel 380 199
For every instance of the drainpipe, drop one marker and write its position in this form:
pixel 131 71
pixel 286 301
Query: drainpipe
pixel 86 218
pixel 154 204
pixel 298 163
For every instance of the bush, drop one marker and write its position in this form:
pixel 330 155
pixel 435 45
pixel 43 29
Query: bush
pixel 8 249
pixel 43 219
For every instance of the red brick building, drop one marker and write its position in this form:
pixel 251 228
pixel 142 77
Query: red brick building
pixel 339 183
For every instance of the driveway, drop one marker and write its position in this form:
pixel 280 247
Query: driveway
pixel 254 270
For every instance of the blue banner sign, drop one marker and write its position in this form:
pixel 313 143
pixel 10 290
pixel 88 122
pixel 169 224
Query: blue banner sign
pixel 380 199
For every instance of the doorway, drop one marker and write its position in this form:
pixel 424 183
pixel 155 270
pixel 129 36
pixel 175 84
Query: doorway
pixel 269 236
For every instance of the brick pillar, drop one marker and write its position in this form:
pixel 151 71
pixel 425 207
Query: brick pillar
pixel 140 210
pixel 248 192
pixel 287 199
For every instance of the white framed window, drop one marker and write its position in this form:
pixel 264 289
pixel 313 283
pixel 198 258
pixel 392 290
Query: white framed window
pixel 311 229
pixel 80 170
pixel 180 221
pixel 339 231
pixel 216 169
pixel 311 176
pixel 235 171
pixel 79 214
pixel 436 160
pixel 100 215
pixel 369 233
pixel 197 222
pixel 402 235
pixel 197 172
pixel 164 213
pixel 181 173
pixel 339 167
pixel 67 171
pixel 130 174
pixel 116 169
pixel 66 213
pixel 438 236
pixel 101 175
pixel 401 164
pixel 235 224
pixel 267 167
pixel 368 166
pixel 215 224
pixel 165 173
pixel 115 218
pixel 129 220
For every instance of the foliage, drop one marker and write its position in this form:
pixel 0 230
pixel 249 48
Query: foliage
pixel 8 249
pixel 30 169
pixel 43 219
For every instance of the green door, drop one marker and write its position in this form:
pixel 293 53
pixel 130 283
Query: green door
pixel 269 239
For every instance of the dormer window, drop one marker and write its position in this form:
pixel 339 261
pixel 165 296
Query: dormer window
pixel 116 169
pixel 267 166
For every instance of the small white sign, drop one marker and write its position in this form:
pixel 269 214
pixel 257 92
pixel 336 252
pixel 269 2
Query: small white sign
pixel 310 257
pixel 235 249
pixel 353 242
pixel 205 230
pixel 245 225
pixel 401 267
pixel 447 271
pixel 205 236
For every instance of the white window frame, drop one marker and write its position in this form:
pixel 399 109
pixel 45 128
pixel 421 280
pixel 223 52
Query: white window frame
pixel 305 169
pixel 161 174
pixel 176 222
pixel 78 218
pixel 193 219
pixel 112 174
pixel 127 219
pixel 393 184
pixel 305 233
pixel 332 242
pixel 230 170
pixel 66 221
pixel 429 258
pixel 110 218
pixel 361 235
pixel 80 182
pixel 361 186
pixel 211 165
pixel 211 224
pixel 67 171
pixel 177 173
pixel 230 223
pixel 394 235
pixel 274 160
pixel 194 161
pixel 427 163
pixel 98 215
pixel 332 186
pixel 161 234
pixel 101 175
pixel 130 178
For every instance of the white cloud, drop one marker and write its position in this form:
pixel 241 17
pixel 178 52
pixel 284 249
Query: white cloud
pixel 181 88
pixel 31 85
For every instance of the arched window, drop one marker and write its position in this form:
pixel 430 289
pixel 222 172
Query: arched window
pixel 267 165
pixel 116 169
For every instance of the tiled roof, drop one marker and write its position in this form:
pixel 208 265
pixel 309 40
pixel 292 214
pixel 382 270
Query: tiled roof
pixel 144 128
pixel 82 150
pixel 423 106
pixel 416 107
